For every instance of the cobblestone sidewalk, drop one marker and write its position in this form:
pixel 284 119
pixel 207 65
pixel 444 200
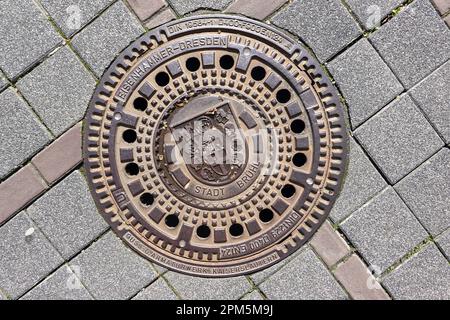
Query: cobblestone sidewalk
pixel 388 236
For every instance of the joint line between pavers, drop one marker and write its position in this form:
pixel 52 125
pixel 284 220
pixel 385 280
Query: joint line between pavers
pixel 64 260
pixel 430 236
pixel 420 164
pixel 128 6
pixel 156 13
pixel 372 161
pixel 442 15
pixel 330 272
pixel 79 166
pixel 172 287
pixel 144 288
pixel 36 114
pixel 278 10
pixel 420 108
pixel 67 41
pixel 354 251
pixel 353 15
pixel 51 244
pixel 407 256
pixel 405 91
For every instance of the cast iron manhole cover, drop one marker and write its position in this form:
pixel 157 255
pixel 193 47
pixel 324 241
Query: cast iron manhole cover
pixel 215 145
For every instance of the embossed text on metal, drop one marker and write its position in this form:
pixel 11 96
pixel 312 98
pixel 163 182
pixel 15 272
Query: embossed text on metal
pixel 215 145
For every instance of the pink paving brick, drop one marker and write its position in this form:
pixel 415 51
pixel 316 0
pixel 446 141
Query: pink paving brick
pixel 61 156
pixel 19 190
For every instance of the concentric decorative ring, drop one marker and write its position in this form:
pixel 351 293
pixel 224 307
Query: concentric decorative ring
pixel 215 145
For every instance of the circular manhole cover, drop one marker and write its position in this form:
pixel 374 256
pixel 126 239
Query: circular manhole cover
pixel 215 145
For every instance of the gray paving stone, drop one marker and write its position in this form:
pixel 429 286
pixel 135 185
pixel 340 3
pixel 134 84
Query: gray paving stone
pixel 26 256
pixel 253 296
pixel 158 290
pixel 444 242
pixel 304 278
pixel 325 25
pixel 26 37
pixel 432 97
pixel 384 229
pixel 59 90
pixel 414 43
pixel 362 183
pixel 254 9
pixel 371 12
pixel 108 35
pixel 365 80
pixel 208 289
pixel 63 284
pixel 184 6
pixel 110 270
pixel 424 276
pixel 399 138
pixel 67 215
pixel 426 191
pixel 21 135
pixel 72 15
pixel 262 275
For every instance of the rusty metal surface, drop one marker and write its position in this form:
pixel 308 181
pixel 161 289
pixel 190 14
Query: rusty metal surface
pixel 215 146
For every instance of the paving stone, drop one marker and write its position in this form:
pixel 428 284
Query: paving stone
pixel 59 90
pixel 158 290
pixel 371 12
pixel 384 230
pixel 358 281
pixel 365 80
pixel 186 6
pixel 3 82
pixel 22 134
pixel 63 284
pixel 108 35
pixel 262 275
pixel 110 270
pixel 19 190
pixel 208 289
pixel 399 138
pixel 304 278
pixel 442 5
pixel 432 97
pixel 160 18
pixel 447 20
pixel 444 242
pixel 329 245
pixel 67 215
pixel 61 156
pixel 27 256
pixel 72 15
pixel 144 9
pixel 362 183
pixel 254 9
pixel 325 25
pixel 26 37
pixel 414 43
pixel 426 191
pixel 424 276
pixel 253 296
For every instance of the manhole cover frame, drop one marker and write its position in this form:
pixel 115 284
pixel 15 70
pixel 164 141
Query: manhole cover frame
pixel 304 226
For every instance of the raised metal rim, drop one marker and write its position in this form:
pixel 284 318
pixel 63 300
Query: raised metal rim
pixel 314 71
